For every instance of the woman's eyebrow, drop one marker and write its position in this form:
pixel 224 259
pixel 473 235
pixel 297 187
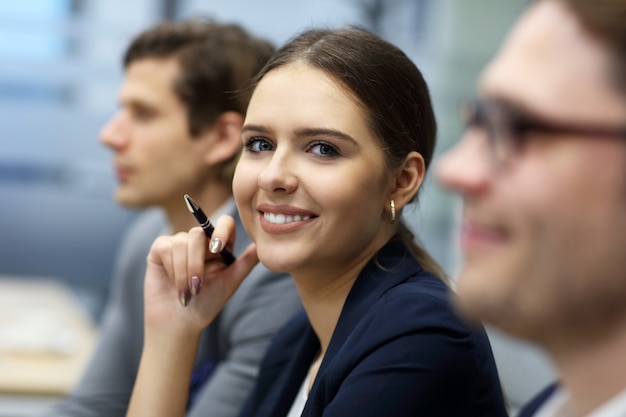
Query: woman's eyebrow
pixel 325 132
pixel 304 132
pixel 254 128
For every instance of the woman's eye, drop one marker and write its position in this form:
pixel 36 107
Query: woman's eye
pixel 323 149
pixel 258 145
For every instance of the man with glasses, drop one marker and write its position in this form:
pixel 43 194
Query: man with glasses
pixel 542 172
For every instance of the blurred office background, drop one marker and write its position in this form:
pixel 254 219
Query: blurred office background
pixel 59 74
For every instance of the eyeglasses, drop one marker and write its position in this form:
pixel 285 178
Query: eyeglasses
pixel 507 127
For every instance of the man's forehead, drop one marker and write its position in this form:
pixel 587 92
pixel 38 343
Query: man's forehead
pixel 149 80
pixel 553 65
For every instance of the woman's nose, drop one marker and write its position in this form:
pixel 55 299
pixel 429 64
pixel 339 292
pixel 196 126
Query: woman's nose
pixel 279 174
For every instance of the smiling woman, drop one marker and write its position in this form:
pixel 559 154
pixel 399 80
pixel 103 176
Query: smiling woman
pixel 329 163
pixel 298 159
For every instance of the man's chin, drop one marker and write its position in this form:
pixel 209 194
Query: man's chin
pixel 481 302
pixel 471 307
pixel 478 296
pixel 130 200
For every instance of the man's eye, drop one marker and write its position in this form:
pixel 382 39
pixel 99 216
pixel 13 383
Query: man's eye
pixel 141 113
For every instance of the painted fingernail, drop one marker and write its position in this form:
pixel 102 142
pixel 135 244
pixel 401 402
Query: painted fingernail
pixel 184 298
pixel 216 245
pixel 196 284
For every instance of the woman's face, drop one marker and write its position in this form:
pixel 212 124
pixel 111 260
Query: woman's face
pixel 312 185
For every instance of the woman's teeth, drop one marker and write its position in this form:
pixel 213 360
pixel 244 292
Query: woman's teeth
pixel 282 218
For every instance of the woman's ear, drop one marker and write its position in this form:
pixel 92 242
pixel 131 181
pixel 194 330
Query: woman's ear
pixel 408 179
pixel 223 138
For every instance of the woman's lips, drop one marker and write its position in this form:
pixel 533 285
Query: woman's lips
pixel 283 219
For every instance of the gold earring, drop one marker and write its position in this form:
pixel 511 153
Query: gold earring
pixel 393 211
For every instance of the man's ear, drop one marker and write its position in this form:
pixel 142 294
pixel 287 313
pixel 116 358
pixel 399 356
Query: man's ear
pixel 223 138
pixel 408 179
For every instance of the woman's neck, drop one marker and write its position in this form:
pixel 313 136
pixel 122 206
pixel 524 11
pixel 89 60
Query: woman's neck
pixel 323 305
pixel 324 290
pixel 324 293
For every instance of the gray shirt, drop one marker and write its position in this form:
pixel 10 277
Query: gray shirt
pixel 235 342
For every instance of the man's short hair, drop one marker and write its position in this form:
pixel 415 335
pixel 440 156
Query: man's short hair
pixel 217 61
pixel 606 20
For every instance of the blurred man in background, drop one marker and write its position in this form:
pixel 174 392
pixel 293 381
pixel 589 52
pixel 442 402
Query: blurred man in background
pixel 542 171
pixel 178 131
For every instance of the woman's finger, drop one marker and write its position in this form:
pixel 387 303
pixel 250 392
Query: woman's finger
pixel 180 243
pixel 242 266
pixel 161 254
pixel 196 252
pixel 224 234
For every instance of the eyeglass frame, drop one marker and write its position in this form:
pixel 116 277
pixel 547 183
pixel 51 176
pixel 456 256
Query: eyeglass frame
pixel 506 139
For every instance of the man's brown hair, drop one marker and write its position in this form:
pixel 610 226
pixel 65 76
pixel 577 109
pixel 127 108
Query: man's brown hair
pixel 606 19
pixel 216 62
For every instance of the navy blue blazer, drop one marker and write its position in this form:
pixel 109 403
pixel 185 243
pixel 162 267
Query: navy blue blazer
pixel 399 349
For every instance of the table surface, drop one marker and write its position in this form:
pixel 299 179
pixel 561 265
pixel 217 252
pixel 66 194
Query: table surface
pixel 46 337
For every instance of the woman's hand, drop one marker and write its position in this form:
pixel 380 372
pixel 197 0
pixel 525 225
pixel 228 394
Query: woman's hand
pixel 185 288
pixel 186 284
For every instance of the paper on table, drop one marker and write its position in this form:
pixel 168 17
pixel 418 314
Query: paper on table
pixel 46 337
pixel 38 331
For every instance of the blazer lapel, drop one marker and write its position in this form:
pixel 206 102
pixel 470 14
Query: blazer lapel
pixel 282 376
pixel 391 266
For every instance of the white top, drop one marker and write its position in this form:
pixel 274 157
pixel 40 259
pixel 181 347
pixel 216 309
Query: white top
pixel 558 405
pixel 300 401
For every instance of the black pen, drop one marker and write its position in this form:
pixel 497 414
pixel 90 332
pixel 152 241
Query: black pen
pixel 206 225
